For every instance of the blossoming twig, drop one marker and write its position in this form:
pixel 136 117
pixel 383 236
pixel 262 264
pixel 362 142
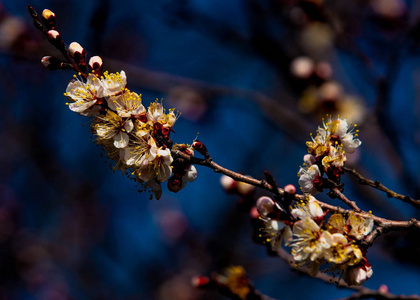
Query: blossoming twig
pixel 362 292
pixel 382 225
pixel 379 186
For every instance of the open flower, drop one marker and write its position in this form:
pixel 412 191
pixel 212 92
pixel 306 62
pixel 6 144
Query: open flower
pixel 126 104
pixel 310 209
pixel 335 159
pixel 342 252
pixel 275 232
pixel 158 169
pixel 310 242
pixel 140 151
pixel 113 83
pixel 358 226
pixel 340 131
pixel 310 179
pixel 113 126
pixel 354 226
pixel 320 143
pixel 84 95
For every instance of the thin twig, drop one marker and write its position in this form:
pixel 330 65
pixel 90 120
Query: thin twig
pixel 336 193
pixel 379 186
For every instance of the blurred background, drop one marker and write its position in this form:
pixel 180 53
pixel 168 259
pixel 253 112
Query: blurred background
pixel 253 78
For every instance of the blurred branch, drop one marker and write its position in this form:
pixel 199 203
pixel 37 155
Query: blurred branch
pixel 292 123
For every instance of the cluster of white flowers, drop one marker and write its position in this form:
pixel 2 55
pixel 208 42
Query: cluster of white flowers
pixel 316 239
pixel 137 139
pixel 327 154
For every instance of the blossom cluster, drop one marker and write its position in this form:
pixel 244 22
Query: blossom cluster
pixel 316 238
pixel 327 155
pixel 135 138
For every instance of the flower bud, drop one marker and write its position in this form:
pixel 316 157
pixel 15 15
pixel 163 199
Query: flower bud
pixel 228 184
pixel 200 281
pixel 48 14
pixel 302 67
pixel 95 62
pixel 175 183
pixel 53 35
pixel 53 63
pixel 383 288
pixel 245 189
pixel 199 146
pixel 55 39
pixel 290 189
pixel 357 275
pixel 265 205
pixel 76 50
pixel 48 17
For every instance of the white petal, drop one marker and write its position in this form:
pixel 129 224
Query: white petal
pixel 121 140
pixel 128 126
pixel 191 173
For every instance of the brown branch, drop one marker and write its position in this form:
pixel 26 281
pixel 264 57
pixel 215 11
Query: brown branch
pixel 336 193
pixel 382 225
pixel 379 186
pixel 263 184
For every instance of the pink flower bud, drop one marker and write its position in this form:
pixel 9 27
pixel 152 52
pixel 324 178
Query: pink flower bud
pixel 302 67
pixel 197 145
pixel 265 205
pixel 290 189
pixel 53 34
pixel 228 183
pixel 383 289
pixel 357 275
pixel 95 62
pixel 200 281
pixel 75 48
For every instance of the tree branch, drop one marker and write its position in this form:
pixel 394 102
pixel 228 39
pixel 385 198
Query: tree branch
pixel 379 186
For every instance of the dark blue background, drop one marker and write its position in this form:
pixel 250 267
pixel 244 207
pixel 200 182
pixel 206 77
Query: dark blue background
pixel 73 229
